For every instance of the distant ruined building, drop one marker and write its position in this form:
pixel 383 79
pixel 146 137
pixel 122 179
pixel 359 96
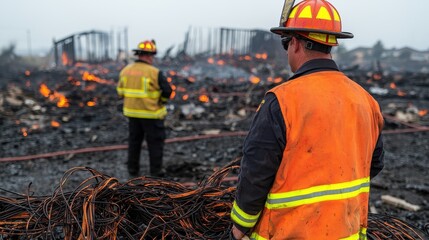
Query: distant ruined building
pixel 90 47
pixel 234 41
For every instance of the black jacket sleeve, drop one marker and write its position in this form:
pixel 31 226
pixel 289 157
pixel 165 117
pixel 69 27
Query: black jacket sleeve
pixel 164 85
pixel 262 153
pixel 377 163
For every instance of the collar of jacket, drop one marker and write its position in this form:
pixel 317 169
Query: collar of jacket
pixel 315 65
pixel 141 61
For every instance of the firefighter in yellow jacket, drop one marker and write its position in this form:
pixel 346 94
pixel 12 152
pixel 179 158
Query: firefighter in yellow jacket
pixel 314 144
pixel 145 91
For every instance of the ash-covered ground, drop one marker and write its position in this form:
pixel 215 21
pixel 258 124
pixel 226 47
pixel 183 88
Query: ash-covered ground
pixel 33 124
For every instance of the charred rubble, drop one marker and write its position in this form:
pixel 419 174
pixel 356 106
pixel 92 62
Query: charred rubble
pixel 61 110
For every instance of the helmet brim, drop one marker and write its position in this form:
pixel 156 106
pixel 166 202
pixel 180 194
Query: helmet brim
pixel 140 52
pixel 286 31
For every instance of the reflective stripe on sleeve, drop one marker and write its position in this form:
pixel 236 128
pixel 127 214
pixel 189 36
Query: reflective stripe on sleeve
pixel 361 235
pixel 242 218
pixel 315 194
pixel 256 236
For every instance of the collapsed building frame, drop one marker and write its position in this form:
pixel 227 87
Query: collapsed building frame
pixel 97 46
pixel 90 46
pixel 230 41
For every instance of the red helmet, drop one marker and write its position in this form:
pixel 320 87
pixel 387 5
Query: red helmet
pixel 316 20
pixel 146 47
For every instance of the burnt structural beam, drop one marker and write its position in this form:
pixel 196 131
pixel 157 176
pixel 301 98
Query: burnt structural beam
pixel 71 49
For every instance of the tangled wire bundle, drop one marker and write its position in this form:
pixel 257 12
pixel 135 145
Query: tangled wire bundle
pixel 143 208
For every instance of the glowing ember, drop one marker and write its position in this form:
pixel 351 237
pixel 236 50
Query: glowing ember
pixel 64 59
pixel 401 93
pixel 55 124
pixel 169 79
pixel 263 56
pixel 53 96
pixel 173 94
pixel 423 112
pixel 172 73
pixel 185 97
pixel 392 85
pixel 91 77
pixel 91 103
pixel 210 60
pixel 220 62
pixel 24 132
pixel 254 79
pixel 204 98
pixel 191 79
pixel 44 90
pixel 62 100
pixel 278 80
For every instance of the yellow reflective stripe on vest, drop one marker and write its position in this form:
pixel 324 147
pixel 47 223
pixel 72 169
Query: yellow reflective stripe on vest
pixel 316 194
pixel 256 236
pixel 242 218
pixel 158 114
pixel 138 93
pixel 361 235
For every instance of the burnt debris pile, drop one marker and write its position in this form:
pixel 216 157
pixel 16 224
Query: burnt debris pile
pixel 69 119
pixel 101 207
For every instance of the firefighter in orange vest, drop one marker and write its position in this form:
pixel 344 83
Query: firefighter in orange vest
pixel 314 143
pixel 145 91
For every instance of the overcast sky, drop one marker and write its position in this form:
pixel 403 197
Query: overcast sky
pixel 395 23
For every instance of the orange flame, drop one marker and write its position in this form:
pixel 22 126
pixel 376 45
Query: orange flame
pixel 24 132
pixel 172 73
pixel 247 57
pixel 423 112
pixel 62 100
pixel 392 85
pixel 55 124
pixel 204 98
pixel 54 96
pixel 44 90
pixel 91 77
pixel 91 103
pixel 185 97
pixel 255 80
pixel 210 60
pixel 263 56
pixel 169 79
pixel 65 59
pixel 173 94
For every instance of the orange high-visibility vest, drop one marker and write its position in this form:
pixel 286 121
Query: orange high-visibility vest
pixel 321 190
pixel 138 84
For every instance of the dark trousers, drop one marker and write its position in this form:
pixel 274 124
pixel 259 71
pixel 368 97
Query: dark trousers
pixel 153 131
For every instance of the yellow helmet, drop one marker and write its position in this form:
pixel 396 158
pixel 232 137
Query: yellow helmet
pixel 317 20
pixel 146 47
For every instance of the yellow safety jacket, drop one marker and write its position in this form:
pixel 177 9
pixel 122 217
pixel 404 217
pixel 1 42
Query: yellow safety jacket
pixel 321 189
pixel 138 84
